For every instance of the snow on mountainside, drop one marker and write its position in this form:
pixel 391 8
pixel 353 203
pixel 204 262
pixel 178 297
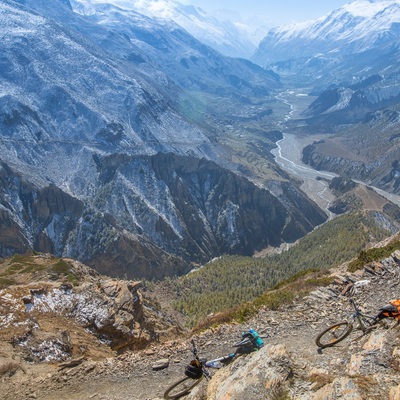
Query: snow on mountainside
pixel 100 158
pixel 58 85
pixel 228 38
pixel 355 27
pixel 188 61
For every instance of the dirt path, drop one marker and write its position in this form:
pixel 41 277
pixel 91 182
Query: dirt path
pixel 131 376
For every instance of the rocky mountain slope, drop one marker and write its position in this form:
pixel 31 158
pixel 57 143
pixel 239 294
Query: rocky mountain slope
pixel 289 366
pixel 96 139
pixel 48 219
pixel 145 208
pixel 224 36
pixel 367 151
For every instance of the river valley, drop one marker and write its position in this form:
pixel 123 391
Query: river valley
pixel 288 155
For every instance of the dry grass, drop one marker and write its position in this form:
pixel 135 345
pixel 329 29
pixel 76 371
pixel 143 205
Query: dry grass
pixel 374 254
pixel 320 380
pixel 366 382
pixel 10 368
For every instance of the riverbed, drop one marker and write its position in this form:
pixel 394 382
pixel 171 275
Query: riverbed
pixel 288 155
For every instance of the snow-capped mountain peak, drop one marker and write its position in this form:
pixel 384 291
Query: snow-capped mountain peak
pixel 355 26
pixel 226 37
pixel 366 8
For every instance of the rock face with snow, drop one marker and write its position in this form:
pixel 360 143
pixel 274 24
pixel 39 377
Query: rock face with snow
pixel 189 62
pixel 102 160
pixel 353 28
pixel 224 36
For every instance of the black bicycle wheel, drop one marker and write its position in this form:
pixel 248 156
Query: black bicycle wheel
pixel 334 334
pixel 181 388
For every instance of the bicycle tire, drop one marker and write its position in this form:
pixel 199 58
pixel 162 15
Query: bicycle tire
pixel 178 389
pixel 338 332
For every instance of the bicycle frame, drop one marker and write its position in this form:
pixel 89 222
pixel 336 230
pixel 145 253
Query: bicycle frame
pixel 215 363
pixel 365 321
pixel 192 372
pixel 218 363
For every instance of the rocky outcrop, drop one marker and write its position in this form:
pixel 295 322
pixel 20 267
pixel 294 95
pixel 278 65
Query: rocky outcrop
pixel 341 185
pixel 261 376
pixel 57 309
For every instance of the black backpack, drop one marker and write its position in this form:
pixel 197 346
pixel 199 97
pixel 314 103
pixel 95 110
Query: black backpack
pixel 194 370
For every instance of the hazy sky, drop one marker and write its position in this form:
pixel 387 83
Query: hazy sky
pixel 277 11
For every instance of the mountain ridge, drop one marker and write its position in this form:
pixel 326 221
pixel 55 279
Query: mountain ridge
pixel 350 29
pixel 222 36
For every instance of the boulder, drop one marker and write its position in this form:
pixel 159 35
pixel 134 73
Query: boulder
pixel 257 376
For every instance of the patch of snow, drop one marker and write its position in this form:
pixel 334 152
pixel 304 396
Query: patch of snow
pixel 85 307
pixel 227 37
pixel 345 97
pixel 366 8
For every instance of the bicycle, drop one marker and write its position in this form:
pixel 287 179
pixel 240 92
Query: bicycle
pixel 366 323
pixel 197 369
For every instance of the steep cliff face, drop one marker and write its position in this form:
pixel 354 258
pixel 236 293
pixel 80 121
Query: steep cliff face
pixel 46 219
pixel 199 210
pixel 152 216
pixel 34 217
